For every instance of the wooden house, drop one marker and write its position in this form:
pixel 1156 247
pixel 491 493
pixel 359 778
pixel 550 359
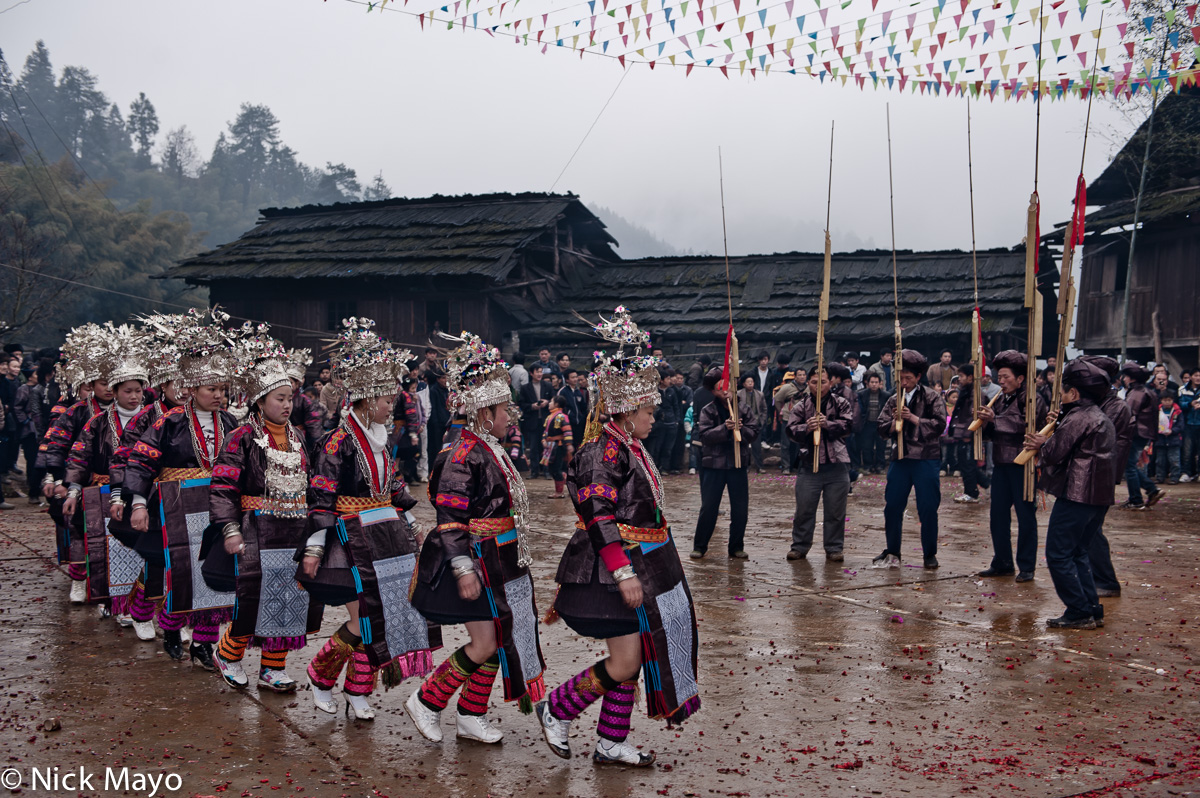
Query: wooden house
pixel 483 263
pixel 1164 278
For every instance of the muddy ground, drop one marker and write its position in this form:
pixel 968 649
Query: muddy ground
pixel 817 678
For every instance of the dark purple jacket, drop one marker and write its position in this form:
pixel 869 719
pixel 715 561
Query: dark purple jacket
pixel 1007 430
pixel 922 441
pixel 717 441
pixel 839 421
pixel 1144 407
pixel 1078 461
pixel 1122 418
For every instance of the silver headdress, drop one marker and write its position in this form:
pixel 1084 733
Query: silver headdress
pixel 259 363
pixel 623 381
pixel 478 375
pixel 82 350
pixel 164 353
pixel 298 361
pixel 368 365
pixel 204 348
pixel 124 354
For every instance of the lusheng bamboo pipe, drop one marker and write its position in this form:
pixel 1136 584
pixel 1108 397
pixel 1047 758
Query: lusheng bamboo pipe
pixel 1027 454
pixel 977 424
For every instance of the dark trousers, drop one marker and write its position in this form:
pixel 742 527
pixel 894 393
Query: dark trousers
pixel 1008 493
pixel 1166 459
pixel 713 482
pixel 33 476
pixel 872 448
pixel 905 476
pixel 852 450
pixel 831 483
pixel 664 445
pixel 972 476
pixel 558 461
pixel 531 436
pixel 1100 557
pixel 1068 541
pixel 1191 450
pixel 1135 477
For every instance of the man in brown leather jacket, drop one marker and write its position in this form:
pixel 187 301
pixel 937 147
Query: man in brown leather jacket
pixel 924 418
pixel 1144 406
pixel 831 482
pixel 715 429
pixel 1077 468
pixel 1006 430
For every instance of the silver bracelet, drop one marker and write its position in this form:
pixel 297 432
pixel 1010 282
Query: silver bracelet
pixel 623 573
pixel 459 573
pixel 314 551
pixel 231 530
pixel 73 493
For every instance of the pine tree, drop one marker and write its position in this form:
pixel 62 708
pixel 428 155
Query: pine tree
pixel 180 158
pixel 143 126
pixel 379 189
pixel 339 183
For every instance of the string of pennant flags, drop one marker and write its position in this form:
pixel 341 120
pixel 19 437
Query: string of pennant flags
pixel 991 49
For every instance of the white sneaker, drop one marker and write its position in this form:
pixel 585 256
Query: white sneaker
pixel 78 592
pixel 103 612
pixel 358 708
pixel 185 635
pixel 322 698
pixel 478 728
pixel 965 499
pixel 691 472
pixel 276 680
pixel 143 629
pixel 555 731
pixel 425 719
pixel 232 672
pixel 1185 478
pixel 125 620
pixel 610 753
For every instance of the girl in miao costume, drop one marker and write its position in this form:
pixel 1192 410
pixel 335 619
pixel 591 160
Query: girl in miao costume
pixel 360 552
pixel 258 504
pixel 182 445
pixel 620 577
pixel 474 567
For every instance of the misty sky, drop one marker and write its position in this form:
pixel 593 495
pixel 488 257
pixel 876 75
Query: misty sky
pixel 460 112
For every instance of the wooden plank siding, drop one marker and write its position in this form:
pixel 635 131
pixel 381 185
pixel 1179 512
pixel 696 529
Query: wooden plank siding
pixel 1165 278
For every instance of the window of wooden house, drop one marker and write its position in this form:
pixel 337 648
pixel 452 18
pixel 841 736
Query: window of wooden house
pixel 437 316
pixel 1115 273
pixel 339 309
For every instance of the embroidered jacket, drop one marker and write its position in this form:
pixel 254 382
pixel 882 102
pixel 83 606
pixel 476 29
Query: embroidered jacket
pixel 466 485
pixel 91 455
pixel 167 443
pixel 337 471
pixel 241 471
pixel 56 445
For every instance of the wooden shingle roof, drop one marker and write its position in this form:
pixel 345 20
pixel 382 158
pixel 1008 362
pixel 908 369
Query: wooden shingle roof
pixel 468 236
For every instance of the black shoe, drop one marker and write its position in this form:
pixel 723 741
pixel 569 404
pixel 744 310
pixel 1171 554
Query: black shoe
pixel 931 562
pixel 797 555
pixel 1024 576
pixel 996 572
pixel 1153 498
pixel 1063 622
pixel 202 654
pixel 172 644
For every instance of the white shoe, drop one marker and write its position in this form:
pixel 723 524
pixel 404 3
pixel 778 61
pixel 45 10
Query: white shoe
pixel 103 612
pixel 358 708
pixel 691 472
pixel 78 592
pixel 555 731
pixel 1185 478
pixel 425 719
pixel 232 672
pixel 322 698
pixel 610 753
pixel 965 499
pixel 276 680
pixel 125 620
pixel 478 728
pixel 143 629
pixel 185 635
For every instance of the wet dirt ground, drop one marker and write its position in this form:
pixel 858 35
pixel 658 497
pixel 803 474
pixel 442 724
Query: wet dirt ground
pixel 817 678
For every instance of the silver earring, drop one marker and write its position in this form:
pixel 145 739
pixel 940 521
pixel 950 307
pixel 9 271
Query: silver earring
pixel 487 425
pixel 629 427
